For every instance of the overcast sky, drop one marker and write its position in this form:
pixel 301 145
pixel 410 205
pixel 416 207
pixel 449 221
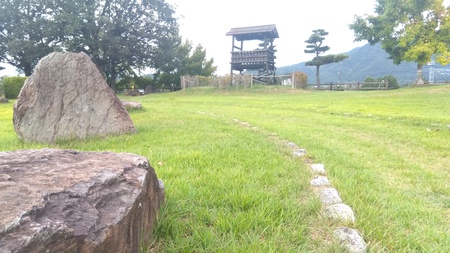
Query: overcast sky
pixel 206 22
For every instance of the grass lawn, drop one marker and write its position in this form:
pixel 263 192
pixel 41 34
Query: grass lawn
pixel 235 187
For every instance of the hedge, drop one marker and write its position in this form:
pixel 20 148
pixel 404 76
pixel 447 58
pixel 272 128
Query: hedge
pixel 12 86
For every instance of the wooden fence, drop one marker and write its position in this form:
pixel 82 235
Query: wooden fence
pixel 247 81
pixel 242 81
pixel 439 83
pixel 384 85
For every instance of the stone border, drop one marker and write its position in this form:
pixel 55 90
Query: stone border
pixel 333 206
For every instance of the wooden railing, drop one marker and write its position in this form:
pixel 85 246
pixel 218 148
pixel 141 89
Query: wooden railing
pixel 354 86
pixel 252 59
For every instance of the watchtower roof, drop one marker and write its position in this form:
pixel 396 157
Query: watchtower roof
pixel 254 32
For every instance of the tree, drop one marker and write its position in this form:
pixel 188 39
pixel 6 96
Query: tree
pixel 315 46
pixel 119 34
pixel 187 61
pixel 26 33
pixel 408 30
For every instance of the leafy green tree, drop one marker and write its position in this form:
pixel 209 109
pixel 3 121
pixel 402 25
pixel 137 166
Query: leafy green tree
pixel 315 46
pixel 408 30
pixel 119 34
pixel 26 33
pixel 187 61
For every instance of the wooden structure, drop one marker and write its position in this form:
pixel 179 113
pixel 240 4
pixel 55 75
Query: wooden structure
pixel 383 85
pixel 261 59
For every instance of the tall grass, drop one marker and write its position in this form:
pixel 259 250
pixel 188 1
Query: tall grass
pixel 232 187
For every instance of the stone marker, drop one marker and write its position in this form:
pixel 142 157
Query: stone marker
pixel 351 240
pixel 340 212
pixel 67 201
pixel 3 100
pixel 318 168
pixel 330 196
pixel 320 181
pixel 299 152
pixel 131 105
pixel 67 97
pixel 292 145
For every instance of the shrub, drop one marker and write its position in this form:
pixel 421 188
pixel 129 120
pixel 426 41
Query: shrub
pixel 301 80
pixel 392 81
pixel 138 82
pixel 12 86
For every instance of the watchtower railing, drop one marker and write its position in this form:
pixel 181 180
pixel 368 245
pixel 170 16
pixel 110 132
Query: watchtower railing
pixel 253 59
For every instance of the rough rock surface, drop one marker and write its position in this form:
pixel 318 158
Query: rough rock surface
pixel 299 152
pixel 320 181
pixel 340 212
pixel 131 105
pixel 351 240
pixel 318 168
pixel 292 145
pixel 67 201
pixel 330 196
pixel 66 97
pixel 3 100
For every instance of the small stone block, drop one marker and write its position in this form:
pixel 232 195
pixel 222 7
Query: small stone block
pixel 351 240
pixel 299 152
pixel 292 145
pixel 318 168
pixel 320 181
pixel 340 212
pixel 330 196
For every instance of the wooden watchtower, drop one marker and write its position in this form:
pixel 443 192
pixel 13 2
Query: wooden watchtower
pixel 261 59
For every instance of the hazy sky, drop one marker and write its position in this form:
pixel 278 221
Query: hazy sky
pixel 207 21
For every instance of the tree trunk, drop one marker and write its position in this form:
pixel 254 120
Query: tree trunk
pixel 28 70
pixel 112 80
pixel 419 79
pixel 318 76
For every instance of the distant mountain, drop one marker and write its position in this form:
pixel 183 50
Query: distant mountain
pixel 363 62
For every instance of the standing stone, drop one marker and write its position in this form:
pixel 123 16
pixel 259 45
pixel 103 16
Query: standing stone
pixel 3 100
pixel 76 202
pixel 67 97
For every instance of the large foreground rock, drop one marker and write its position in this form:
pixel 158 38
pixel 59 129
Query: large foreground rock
pixel 66 97
pixel 67 201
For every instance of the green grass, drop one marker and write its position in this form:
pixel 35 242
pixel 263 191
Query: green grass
pixel 231 187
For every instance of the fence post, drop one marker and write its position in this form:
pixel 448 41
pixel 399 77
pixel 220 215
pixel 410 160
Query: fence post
pixel 293 80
